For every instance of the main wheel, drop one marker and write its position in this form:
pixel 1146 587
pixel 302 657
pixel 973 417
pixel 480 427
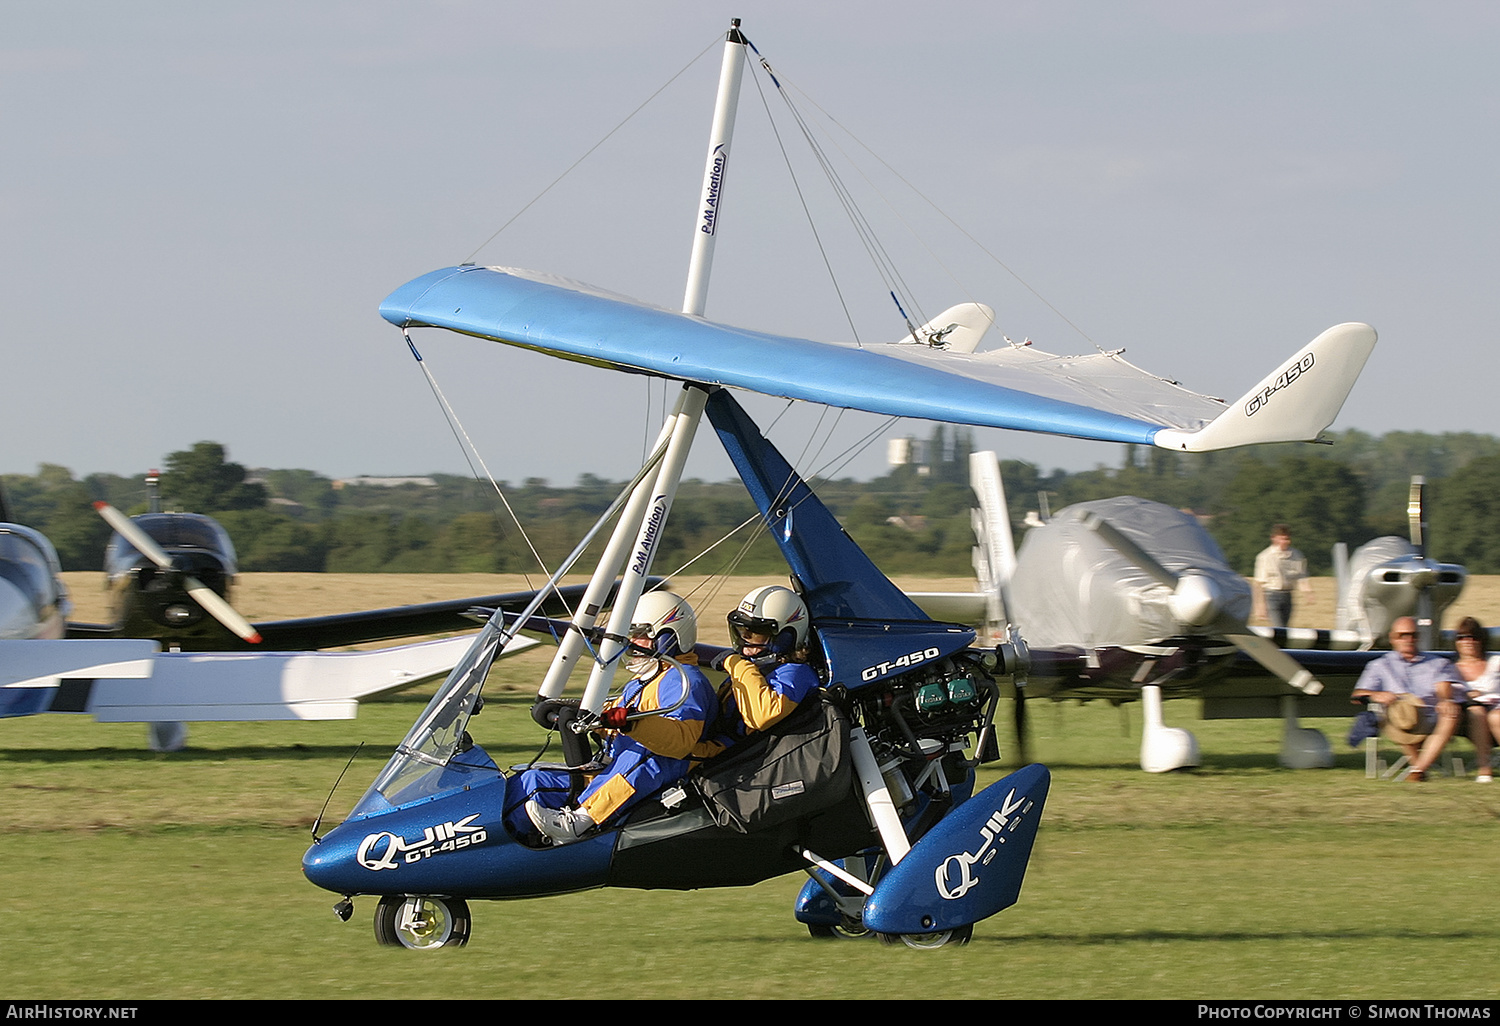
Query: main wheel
pixel 930 941
pixel 422 923
pixel 847 929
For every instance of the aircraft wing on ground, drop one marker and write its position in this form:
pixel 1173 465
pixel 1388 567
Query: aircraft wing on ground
pixel 338 629
pixel 35 673
pixel 129 681
pixel 1247 691
pixel 1099 396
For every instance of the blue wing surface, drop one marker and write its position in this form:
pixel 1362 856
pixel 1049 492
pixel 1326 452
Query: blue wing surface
pixel 578 322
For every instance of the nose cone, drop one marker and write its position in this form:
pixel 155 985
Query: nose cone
pixel 331 866
pixel 1196 601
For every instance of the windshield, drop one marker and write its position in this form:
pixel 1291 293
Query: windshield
pixel 424 762
pixel 28 562
pixel 181 531
pixel 417 768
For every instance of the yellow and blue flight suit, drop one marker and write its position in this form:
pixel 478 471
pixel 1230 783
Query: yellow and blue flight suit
pixel 752 700
pixel 640 760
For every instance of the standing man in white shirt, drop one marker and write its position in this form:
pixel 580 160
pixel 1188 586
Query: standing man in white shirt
pixel 1279 570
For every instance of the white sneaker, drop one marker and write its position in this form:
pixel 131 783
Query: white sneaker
pixel 561 826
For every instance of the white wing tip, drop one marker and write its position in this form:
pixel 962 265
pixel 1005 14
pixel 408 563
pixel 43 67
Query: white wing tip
pixel 1318 377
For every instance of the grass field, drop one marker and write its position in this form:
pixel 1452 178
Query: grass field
pixel 133 875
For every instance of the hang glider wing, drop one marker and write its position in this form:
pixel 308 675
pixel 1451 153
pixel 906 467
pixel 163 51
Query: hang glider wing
pixel 1100 396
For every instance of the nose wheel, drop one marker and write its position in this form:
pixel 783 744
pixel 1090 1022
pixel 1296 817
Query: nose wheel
pixel 421 923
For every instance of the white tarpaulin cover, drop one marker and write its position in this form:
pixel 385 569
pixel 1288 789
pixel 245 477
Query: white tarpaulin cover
pixel 1072 589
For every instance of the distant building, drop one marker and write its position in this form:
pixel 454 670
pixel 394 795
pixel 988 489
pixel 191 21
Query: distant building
pixel 384 482
pixel 900 452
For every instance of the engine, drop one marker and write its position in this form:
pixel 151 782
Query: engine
pixel 919 725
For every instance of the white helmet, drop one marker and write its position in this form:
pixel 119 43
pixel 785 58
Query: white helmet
pixel 774 611
pixel 667 620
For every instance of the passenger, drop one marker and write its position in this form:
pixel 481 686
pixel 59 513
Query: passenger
pixel 1430 715
pixel 1279 571
pixel 1481 675
pixel 768 672
pixel 642 755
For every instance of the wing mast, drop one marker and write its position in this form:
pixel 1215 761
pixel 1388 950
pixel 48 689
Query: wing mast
pixel 646 513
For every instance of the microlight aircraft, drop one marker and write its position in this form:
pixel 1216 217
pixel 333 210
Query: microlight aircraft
pixel 908 848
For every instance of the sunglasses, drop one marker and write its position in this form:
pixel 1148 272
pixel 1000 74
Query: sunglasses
pixel 1404 634
pixel 1466 637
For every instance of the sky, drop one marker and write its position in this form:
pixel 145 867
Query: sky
pixel 202 206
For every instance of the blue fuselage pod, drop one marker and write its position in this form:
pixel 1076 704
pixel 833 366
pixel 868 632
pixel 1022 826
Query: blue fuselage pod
pixel 452 843
pixel 967 867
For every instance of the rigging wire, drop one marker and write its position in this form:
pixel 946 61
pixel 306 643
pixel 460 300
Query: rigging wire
pixel 947 217
pixel 885 266
pixel 797 185
pixel 466 444
pixel 719 38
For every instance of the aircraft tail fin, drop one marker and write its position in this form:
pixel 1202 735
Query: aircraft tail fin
pixel 1306 394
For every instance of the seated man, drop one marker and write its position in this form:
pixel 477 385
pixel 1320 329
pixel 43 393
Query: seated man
pixel 643 753
pixel 1431 679
pixel 768 672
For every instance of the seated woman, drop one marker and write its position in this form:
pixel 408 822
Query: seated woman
pixel 1481 674
pixel 768 672
pixel 642 755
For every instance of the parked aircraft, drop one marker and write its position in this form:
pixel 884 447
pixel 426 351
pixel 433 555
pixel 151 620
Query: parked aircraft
pixel 170 574
pixel 1125 599
pixel 908 848
pixel 1386 578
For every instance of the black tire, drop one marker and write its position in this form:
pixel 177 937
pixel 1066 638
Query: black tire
pixel 930 941
pixel 849 929
pixel 422 923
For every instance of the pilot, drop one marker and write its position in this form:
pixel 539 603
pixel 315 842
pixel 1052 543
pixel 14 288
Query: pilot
pixel 1403 678
pixel 1279 569
pixel 768 672
pixel 642 755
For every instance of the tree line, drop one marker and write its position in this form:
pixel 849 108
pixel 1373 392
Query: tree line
pixel 913 520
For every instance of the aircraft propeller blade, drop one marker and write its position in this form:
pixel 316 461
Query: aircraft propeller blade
pixel 1416 519
pixel 205 596
pixel 1195 601
pixel 1016 657
pixel 1130 550
pixel 1277 662
pixel 1022 725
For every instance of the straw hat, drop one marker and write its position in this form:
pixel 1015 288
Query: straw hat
pixel 1406 721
